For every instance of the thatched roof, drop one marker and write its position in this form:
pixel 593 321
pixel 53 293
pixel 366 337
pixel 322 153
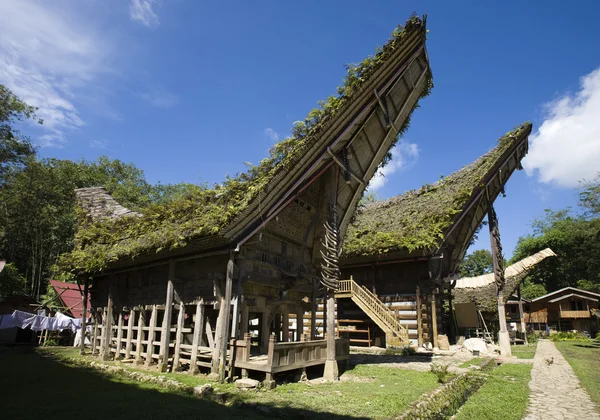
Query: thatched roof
pixel 97 203
pixel 221 217
pixel 482 289
pixel 419 221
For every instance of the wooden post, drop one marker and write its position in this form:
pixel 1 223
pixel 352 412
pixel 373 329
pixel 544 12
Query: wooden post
pixel 84 316
pixel 498 259
pixel 151 332
pixel 108 332
pixel 331 372
pixel 178 336
pixel 419 317
pixel 128 342
pixel 265 331
pixel 165 336
pixel 434 319
pixel 227 319
pixel 522 316
pixel 235 325
pixel 285 326
pixel 277 326
pixel 244 319
pixel 140 337
pixel 313 311
pixel 271 351
pixel 198 329
pixel 299 324
pixel 95 335
pixel 119 336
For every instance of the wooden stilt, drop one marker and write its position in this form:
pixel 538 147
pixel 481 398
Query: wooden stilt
pixel 108 331
pixel 151 333
pixel 119 336
pixel 419 317
pixel 244 320
pixel 84 316
pixel 140 337
pixel 265 331
pixel 331 372
pixel 285 326
pixel 313 311
pixel 434 319
pixel 235 324
pixel 227 322
pixel 165 336
pixel 522 317
pixel 178 336
pixel 128 341
pixel 95 335
pixel 196 341
pixel 210 336
pixel 299 324
pixel 277 327
pixel 218 336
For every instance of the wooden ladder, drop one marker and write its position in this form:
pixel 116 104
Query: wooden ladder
pixel 384 317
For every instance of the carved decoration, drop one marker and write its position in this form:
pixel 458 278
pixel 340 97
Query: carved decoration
pixel 330 267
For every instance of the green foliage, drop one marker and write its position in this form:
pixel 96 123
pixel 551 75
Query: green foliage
pixel 440 371
pixel 205 212
pixel 419 219
pixel 11 281
pixel 589 196
pixel 531 290
pixel 477 263
pixel 568 336
pixel 573 239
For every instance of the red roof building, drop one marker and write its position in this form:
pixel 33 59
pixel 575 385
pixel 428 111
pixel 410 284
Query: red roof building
pixel 71 297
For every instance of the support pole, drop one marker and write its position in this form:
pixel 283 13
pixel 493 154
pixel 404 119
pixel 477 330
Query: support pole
pixel 522 316
pixel 129 340
pixel 165 336
pixel 227 322
pixel 178 336
pixel 95 335
pixel 245 320
pixel 496 245
pixel 84 316
pixel 434 319
pixel 198 330
pixel 331 372
pixel 419 317
pixel 119 336
pixel 285 326
pixel 140 337
pixel 151 333
pixel 299 325
pixel 313 311
pixel 108 332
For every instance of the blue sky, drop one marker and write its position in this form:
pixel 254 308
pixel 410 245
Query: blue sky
pixel 189 90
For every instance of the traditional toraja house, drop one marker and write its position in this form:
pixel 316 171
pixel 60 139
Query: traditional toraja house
pixel 178 285
pixel 401 252
pixel 472 295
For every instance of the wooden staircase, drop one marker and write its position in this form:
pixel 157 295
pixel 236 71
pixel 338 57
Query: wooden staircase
pixel 386 319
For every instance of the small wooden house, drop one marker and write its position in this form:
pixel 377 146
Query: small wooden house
pixel 567 309
pixel 213 280
pixel 401 253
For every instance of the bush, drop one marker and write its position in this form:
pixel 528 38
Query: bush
pixel 532 337
pixel 441 371
pixel 568 335
pixel 598 336
pixel 404 351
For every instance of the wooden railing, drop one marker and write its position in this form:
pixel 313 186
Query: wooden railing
pixel 385 318
pixel 575 314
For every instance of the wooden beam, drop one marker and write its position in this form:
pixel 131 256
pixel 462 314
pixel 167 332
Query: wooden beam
pixel 151 332
pixel 299 325
pixel 244 319
pixel 341 164
pixel 84 315
pixel 95 336
pixel 119 336
pixel 265 331
pixel 196 341
pixel 178 337
pixel 419 318
pixel 434 319
pixel 128 342
pixel 285 326
pixel 165 336
pixel 227 319
pixel 108 322
pixel 140 337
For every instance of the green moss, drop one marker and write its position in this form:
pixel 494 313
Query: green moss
pixel 419 219
pixel 205 213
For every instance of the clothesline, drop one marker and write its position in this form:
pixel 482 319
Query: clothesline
pixel 21 319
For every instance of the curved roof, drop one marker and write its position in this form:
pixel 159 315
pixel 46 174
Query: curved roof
pixel 444 215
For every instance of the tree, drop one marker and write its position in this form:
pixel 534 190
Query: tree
pixel 477 263
pixel 14 148
pixel 589 197
pixel 531 290
pixel 11 281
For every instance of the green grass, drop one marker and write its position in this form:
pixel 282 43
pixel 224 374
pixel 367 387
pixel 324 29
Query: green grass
pixel 584 358
pixel 523 351
pixel 476 361
pixel 65 389
pixel 504 396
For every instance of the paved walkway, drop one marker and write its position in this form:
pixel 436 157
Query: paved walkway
pixel 555 390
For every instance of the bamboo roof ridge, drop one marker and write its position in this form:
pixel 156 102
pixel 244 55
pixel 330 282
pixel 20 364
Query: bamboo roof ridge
pixel 419 221
pixel 482 289
pixel 218 217
pixel 99 204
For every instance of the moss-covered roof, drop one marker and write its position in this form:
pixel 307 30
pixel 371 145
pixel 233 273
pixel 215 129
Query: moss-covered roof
pixel 420 219
pixel 207 213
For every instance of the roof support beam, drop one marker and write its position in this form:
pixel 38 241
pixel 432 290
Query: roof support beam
pixel 339 161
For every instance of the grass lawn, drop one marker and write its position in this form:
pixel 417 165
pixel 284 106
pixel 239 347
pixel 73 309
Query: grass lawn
pixel 504 396
pixel 584 358
pixel 476 361
pixel 523 352
pixel 45 384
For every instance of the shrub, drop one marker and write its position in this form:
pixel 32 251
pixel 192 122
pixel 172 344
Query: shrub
pixel 568 335
pixel 532 337
pixel 441 371
pixel 403 351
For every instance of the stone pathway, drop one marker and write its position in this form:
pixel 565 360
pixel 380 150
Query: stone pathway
pixel 555 390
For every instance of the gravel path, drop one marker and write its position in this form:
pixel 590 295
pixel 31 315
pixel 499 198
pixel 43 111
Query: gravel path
pixel 555 390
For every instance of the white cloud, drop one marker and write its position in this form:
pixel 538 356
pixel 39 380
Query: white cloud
pixel 403 155
pixel 99 144
pixel 566 147
pixel 272 134
pixel 46 54
pixel 141 11
pixel 159 97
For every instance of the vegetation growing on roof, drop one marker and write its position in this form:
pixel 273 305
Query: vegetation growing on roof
pixel 418 220
pixel 206 212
